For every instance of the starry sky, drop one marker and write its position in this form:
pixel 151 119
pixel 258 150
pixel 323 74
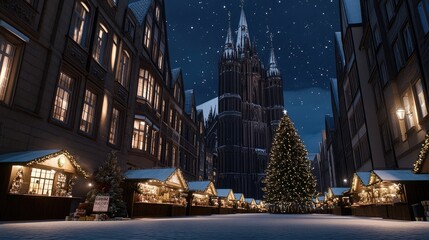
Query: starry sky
pixel 303 39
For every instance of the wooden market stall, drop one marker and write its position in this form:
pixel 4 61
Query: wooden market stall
pixel 320 205
pixel 338 201
pixel 251 205
pixel 38 185
pixel 156 192
pixel 226 201
pixel 202 195
pixel 262 207
pixel 240 203
pixel 361 196
pixel 394 191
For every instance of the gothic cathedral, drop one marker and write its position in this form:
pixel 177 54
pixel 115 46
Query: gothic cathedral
pixel 250 107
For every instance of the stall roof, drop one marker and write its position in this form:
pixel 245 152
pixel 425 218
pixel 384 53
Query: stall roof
pixel 39 157
pixel 224 192
pixel 160 174
pixel 336 191
pixel 260 202
pixel 202 186
pixel 250 200
pixel 239 196
pixel 364 177
pixel 398 176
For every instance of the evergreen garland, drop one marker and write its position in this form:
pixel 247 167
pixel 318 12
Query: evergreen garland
pixel 289 184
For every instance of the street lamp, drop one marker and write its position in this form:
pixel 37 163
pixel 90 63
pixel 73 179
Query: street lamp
pixel 345 180
pixel 400 113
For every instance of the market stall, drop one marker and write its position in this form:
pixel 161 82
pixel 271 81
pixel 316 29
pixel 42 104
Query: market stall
pixel 156 192
pixel 320 205
pixel 394 191
pixel 361 196
pixel 226 201
pixel 261 206
pixel 202 195
pixel 251 205
pixel 338 201
pixel 240 203
pixel 43 178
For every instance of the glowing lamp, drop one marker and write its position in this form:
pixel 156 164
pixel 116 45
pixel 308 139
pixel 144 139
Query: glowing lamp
pixel 400 113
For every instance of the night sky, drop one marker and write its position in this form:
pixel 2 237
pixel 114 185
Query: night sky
pixel 303 38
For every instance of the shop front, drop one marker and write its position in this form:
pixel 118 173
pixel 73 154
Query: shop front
pixel 203 198
pixel 338 201
pixel 226 201
pixel 38 185
pixel 240 203
pixel 156 192
pixel 362 196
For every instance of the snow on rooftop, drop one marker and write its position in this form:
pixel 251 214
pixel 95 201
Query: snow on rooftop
pixel 161 174
pixel 27 156
pixel 211 104
pixel 336 191
pixel 364 176
pixel 199 186
pixel 223 192
pixel 400 175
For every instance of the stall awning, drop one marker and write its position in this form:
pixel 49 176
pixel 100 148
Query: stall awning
pixel 205 187
pixel 57 158
pixel 239 197
pixel 396 176
pixel 226 193
pixel 169 176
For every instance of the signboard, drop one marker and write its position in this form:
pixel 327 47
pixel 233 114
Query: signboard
pixel 101 204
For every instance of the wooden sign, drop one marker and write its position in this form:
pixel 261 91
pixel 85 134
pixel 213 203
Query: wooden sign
pixel 101 204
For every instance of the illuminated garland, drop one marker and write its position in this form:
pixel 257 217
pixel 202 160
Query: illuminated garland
pixel 67 154
pixel 422 155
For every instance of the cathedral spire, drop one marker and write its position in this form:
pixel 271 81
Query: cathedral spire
pixel 229 50
pixel 243 38
pixel 273 70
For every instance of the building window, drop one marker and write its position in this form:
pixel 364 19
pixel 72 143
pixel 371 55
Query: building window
pixel 100 44
pixel 421 98
pixel 173 156
pixel 157 13
pixel 377 36
pixel 88 112
pixel 7 54
pixel 155 44
pixel 398 55
pixel 386 137
pixel 423 9
pixel 153 143
pixel 145 86
pixel 115 48
pixel 408 39
pixel 409 116
pixel 140 135
pixel 161 56
pixel 113 3
pixel 114 127
pixel 157 97
pixel 160 148
pixel 41 181
pixel 80 23
pixel 148 31
pixel 129 27
pixel 124 68
pixel 63 98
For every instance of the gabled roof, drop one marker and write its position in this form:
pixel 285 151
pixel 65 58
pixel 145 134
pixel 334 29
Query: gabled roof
pixel 140 9
pixel 239 196
pixel 175 75
pixel 250 200
pixel 396 176
pixel 337 191
pixel 40 157
pixel 169 176
pixel 225 193
pixel 206 187
pixel 364 177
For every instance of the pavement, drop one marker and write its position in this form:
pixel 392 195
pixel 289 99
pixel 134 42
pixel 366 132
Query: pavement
pixel 236 226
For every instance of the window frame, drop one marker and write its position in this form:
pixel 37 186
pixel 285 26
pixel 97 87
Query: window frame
pixel 86 31
pixel 99 50
pixel 117 128
pixel 15 65
pixel 92 128
pixel 72 100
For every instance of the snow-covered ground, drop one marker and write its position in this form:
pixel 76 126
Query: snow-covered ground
pixel 238 226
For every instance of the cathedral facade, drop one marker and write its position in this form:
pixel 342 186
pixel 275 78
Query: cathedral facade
pixel 250 107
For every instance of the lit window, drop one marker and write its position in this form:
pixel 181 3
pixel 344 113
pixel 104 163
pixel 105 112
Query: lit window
pixel 100 44
pixel 153 142
pixel 409 117
pixel 423 9
pixel 41 181
pixel 147 35
pixel 124 68
pixel 7 53
pixel 161 56
pixel 157 97
pixel 88 112
pixel 80 23
pixel 113 3
pixel 114 127
pixel 160 148
pixel 421 98
pixel 155 44
pixel 173 156
pixel 157 13
pixel 145 86
pixel 140 135
pixel 63 98
pixel 114 52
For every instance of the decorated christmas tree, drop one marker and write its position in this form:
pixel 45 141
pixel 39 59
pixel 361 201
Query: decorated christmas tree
pixel 107 182
pixel 289 183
